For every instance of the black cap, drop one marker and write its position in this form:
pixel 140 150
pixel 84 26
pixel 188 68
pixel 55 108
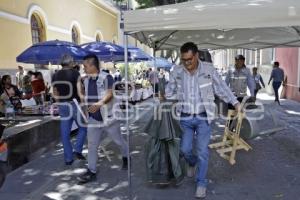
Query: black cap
pixel 239 57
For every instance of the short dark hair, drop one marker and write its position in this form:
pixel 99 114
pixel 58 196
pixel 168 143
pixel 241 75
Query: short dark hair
pixel 77 67
pixel 189 46
pixel 94 59
pixel 4 78
pixel 239 57
pixel 30 73
pixel 276 63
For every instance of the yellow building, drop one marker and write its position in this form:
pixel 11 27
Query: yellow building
pixel 25 22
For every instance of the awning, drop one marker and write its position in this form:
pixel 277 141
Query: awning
pixel 215 24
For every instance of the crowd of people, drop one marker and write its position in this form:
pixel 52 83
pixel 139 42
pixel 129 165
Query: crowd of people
pixel 194 83
pixel 28 85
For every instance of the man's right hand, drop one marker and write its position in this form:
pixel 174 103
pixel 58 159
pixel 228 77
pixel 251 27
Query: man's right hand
pixel 238 107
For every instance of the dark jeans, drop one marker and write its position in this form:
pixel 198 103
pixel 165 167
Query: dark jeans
pixel 255 92
pixel 155 87
pixel 276 86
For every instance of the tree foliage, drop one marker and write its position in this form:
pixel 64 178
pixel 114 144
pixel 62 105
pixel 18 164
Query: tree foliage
pixel 152 3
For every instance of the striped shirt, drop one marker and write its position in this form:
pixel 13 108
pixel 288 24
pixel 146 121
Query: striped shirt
pixel 191 97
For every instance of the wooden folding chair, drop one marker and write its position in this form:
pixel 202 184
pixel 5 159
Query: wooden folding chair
pixel 231 141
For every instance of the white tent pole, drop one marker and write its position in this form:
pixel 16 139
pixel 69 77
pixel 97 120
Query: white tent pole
pixel 154 71
pixel 127 112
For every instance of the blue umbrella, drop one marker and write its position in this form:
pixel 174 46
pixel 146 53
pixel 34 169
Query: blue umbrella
pixel 136 54
pixel 105 51
pixel 44 53
pixel 159 62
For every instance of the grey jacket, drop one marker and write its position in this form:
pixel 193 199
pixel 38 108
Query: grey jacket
pixel 238 80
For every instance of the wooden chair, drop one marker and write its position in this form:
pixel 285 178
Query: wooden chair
pixel 231 141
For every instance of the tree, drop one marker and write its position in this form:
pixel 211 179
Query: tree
pixel 152 3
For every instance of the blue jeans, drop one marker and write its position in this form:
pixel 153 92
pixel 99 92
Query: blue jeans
pixel 276 86
pixel 196 127
pixel 70 113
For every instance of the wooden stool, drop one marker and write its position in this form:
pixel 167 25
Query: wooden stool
pixel 231 139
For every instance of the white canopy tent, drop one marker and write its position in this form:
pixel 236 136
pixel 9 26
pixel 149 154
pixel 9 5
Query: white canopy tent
pixel 218 24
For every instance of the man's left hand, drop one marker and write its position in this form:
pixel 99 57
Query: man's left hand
pixel 94 108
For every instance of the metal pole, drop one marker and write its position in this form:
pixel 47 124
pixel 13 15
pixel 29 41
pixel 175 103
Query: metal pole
pixel 154 71
pixel 127 113
pixel 125 37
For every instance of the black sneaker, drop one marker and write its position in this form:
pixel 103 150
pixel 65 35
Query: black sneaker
pixel 69 162
pixel 125 163
pixel 87 177
pixel 79 156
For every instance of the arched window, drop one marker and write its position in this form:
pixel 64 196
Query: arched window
pixel 98 38
pixel 75 35
pixel 37 29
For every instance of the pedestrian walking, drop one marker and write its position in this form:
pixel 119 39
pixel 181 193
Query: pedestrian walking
pixel 258 81
pixel 277 75
pixel 195 84
pixel 101 121
pixel 66 87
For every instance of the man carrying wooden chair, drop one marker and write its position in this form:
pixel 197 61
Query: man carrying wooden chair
pixel 194 84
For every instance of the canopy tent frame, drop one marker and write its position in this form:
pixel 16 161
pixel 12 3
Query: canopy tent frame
pixel 158 44
pixel 275 22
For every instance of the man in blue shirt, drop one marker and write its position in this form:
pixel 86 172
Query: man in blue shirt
pixel 278 77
